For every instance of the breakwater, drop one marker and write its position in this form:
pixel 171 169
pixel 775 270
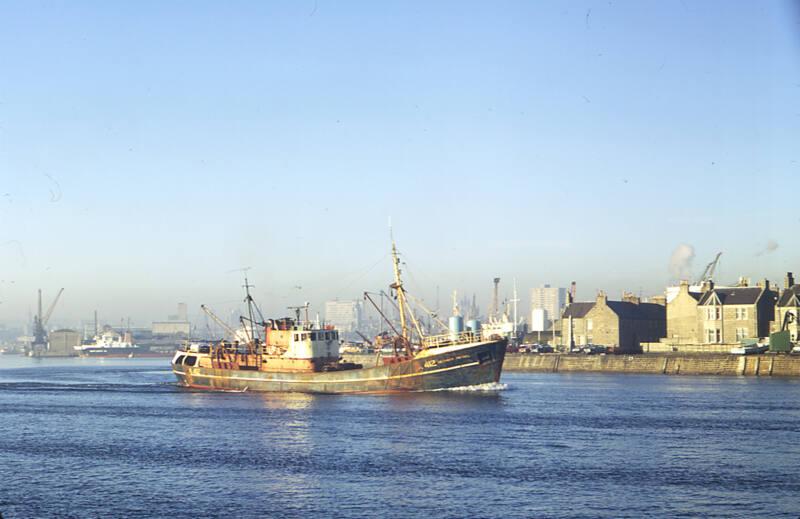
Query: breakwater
pixel 656 364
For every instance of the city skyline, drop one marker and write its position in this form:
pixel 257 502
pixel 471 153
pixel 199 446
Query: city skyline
pixel 144 161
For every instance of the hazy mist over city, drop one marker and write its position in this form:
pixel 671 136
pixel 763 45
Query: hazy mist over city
pixel 149 152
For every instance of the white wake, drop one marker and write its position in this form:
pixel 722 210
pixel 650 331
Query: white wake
pixel 488 387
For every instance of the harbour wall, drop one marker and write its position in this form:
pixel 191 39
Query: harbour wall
pixel 698 364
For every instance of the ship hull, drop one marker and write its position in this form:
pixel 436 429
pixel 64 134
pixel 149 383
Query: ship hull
pixel 470 365
pixel 110 352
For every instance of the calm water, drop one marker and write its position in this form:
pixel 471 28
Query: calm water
pixel 116 438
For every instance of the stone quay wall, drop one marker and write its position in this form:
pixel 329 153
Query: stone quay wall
pixel 657 364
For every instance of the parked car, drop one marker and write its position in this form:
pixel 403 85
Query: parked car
pixel 593 349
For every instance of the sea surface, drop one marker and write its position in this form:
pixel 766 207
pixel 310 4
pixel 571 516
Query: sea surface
pixel 117 438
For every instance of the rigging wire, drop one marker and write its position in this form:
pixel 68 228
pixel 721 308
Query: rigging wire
pixel 361 274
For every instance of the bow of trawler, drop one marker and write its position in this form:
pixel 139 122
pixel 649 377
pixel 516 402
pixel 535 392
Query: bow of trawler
pixel 302 356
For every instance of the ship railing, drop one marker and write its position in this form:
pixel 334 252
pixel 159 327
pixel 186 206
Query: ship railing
pixel 451 339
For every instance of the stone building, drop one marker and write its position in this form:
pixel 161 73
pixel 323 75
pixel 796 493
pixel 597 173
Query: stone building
pixel 682 315
pixel 788 303
pixel 618 324
pixel 728 315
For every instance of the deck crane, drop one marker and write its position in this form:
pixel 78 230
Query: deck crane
pixel 222 324
pixel 430 312
pixel 708 273
pixel 364 337
pixel 297 309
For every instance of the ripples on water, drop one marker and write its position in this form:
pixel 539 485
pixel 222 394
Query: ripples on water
pixel 118 439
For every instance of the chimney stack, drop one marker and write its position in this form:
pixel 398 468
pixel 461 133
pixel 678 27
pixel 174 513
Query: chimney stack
pixel 788 281
pixel 630 298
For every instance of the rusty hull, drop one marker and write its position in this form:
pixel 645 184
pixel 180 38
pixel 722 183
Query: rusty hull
pixel 472 365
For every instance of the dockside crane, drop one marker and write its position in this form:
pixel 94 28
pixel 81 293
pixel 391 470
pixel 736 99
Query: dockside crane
pixel 40 321
pixel 708 273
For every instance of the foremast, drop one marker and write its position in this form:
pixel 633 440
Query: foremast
pixel 402 303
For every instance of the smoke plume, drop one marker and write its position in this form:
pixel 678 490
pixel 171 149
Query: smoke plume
pixel 771 246
pixel 680 264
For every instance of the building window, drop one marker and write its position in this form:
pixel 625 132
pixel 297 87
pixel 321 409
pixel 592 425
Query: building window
pixel 713 335
pixel 741 333
pixel 589 324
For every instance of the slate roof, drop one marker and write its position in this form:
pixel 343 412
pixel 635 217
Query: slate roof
pixel 787 295
pixel 623 309
pixel 640 312
pixel 577 310
pixel 733 296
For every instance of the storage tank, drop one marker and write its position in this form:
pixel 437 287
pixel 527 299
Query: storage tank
pixel 474 325
pixel 456 324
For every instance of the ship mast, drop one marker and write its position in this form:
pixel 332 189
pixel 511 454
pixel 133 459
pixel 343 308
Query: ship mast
pixel 402 303
pixel 249 300
pixel 401 296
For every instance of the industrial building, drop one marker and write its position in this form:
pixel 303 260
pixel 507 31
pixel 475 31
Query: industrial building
pixel 344 315
pixel 61 343
pixel 176 325
pixel 547 304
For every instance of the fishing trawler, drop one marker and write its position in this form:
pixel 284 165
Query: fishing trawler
pixel 297 355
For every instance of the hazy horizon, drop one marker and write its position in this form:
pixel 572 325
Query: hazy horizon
pixel 150 151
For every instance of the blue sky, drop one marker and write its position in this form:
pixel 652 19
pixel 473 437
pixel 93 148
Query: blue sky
pixel 148 149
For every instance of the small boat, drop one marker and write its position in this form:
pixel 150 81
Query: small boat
pixel 750 349
pixel 297 355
